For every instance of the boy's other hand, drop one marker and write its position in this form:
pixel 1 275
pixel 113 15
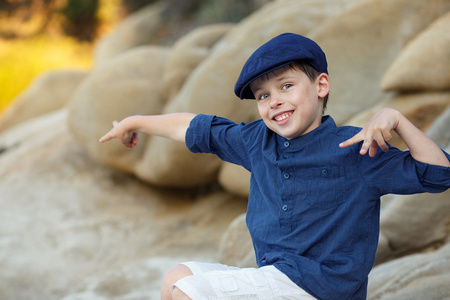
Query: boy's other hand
pixel 376 133
pixel 128 138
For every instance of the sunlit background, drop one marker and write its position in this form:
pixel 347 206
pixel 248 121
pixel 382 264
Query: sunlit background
pixel 41 35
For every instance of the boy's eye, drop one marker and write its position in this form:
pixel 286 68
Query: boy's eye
pixel 286 86
pixel 263 96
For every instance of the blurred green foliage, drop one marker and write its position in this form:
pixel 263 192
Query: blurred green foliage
pixel 78 10
pixel 81 19
pixel 134 5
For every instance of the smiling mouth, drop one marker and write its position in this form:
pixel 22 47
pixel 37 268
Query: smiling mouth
pixel 282 116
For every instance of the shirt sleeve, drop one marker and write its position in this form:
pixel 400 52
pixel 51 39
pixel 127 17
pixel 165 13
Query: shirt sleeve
pixel 220 136
pixel 434 177
pixel 397 172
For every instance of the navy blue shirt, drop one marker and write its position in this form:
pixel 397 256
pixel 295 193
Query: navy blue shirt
pixel 313 209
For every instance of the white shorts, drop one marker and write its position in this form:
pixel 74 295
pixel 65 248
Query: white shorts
pixel 217 281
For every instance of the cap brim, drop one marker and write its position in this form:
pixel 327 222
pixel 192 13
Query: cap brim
pixel 246 92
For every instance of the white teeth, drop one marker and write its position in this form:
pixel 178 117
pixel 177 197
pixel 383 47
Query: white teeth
pixel 282 117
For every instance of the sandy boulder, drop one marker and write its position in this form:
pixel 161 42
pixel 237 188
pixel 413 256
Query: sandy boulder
pixel 423 64
pixel 137 29
pixel 363 41
pixel 48 92
pixel 127 85
pixel 187 53
pixel 66 222
pixel 419 276
pixel 236 248
pixel 234 179
pixel 403 228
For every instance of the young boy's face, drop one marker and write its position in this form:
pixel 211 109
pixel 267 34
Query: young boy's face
pixel 289 103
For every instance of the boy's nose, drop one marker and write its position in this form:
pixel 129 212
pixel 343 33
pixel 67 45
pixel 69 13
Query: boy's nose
pixel 275 101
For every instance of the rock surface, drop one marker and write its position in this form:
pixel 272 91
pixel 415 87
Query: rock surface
pixel 69 225
pixel 81 220
pixel 48 92
pixel 361 44
pixel 420 276
pixel 422 66
pixel 128 84
pixel 134 31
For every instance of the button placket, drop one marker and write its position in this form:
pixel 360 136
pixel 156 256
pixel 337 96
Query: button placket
pixel 285 169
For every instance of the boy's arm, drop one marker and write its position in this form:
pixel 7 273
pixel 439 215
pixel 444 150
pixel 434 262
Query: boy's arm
pixel 377 133
pixel 172 126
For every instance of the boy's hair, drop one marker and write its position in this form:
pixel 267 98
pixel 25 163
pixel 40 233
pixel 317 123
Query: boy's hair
pixel 312 74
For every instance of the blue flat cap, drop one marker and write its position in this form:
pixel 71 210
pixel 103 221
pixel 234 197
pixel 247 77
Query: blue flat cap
pixel 276 53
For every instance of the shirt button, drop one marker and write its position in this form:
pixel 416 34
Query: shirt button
pixel 286 175
pixel 286 144
pixel 324 171
pixel 285 207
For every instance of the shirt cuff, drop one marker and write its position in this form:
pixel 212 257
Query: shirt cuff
pixel 433 176
pixel 197 137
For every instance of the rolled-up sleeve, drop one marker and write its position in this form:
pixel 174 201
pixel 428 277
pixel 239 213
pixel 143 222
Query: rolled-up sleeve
pixel 435 178
pixel 198 134
pixel 220 136
pixel 397 172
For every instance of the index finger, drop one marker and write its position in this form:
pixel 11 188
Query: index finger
pixel 352 141
pixel 106 137
pixel 109 135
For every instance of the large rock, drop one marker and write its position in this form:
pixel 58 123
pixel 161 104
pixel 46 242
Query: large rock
pixel 424 63
pixel 236 247
pixel 67 223
pixel 48 92
pixel 414 277
pixel 413 223
pixel 138 29
pixel 363 41
pixel 439 131
pixel 128 84
pixel 234 178
pixel 187 53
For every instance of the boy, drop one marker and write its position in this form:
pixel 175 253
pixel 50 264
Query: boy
pixel 313 210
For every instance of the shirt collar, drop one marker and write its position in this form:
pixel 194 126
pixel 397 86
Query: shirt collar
pixel 301 141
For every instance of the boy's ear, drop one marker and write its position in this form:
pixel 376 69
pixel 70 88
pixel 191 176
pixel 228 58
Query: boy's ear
pixel 323 85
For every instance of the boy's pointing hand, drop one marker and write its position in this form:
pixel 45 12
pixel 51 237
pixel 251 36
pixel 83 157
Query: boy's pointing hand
pixel 376 133
pixel 126 137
